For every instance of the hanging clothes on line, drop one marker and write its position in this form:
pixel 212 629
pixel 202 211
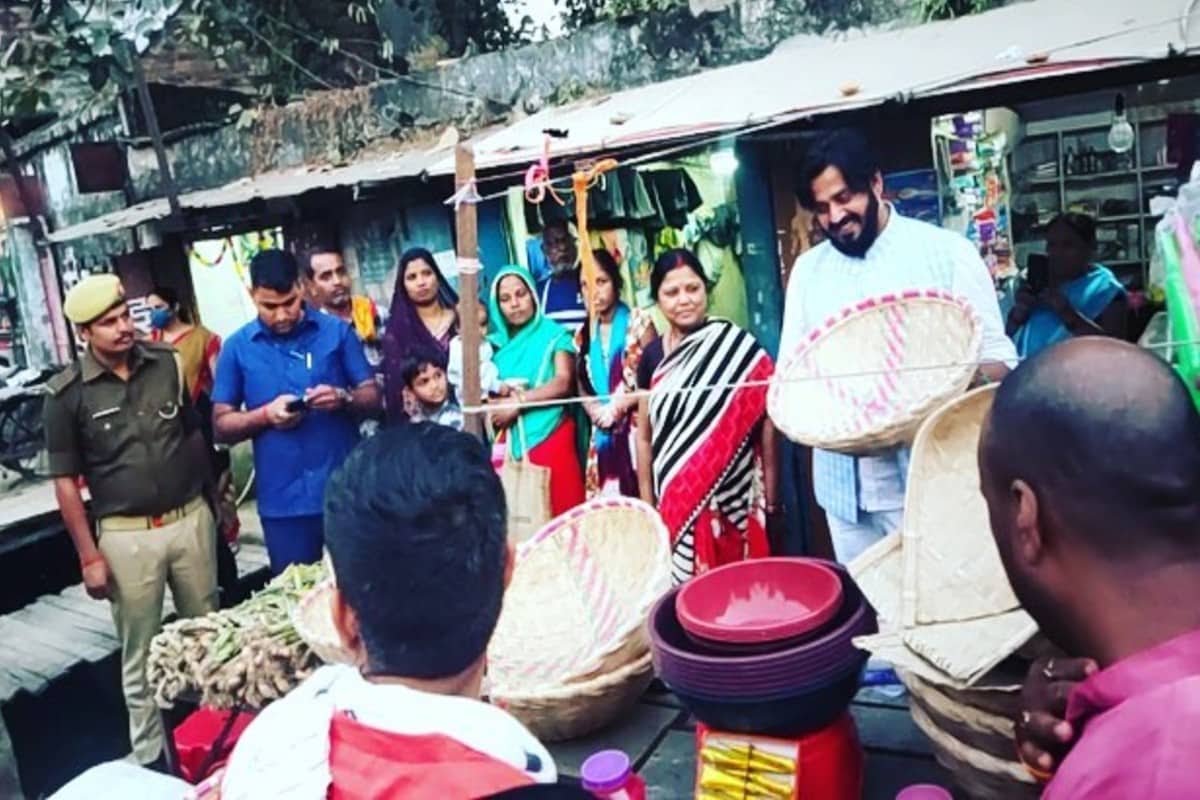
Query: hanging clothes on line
pixel 713 236
pixel 675 194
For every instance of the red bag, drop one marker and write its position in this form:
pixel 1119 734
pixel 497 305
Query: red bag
pixel 196 737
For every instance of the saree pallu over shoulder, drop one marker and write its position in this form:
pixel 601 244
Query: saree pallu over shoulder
pixel 703 418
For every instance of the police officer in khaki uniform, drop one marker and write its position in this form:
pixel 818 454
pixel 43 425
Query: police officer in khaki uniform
pixel 119 417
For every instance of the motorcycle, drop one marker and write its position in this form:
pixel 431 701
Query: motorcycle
pixel 22 435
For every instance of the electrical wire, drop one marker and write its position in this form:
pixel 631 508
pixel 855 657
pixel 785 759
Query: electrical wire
pixel 765 383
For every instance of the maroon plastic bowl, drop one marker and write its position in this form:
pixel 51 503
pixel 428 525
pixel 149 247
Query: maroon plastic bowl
pixel 682 664
pixel 761 600
pixel 716 676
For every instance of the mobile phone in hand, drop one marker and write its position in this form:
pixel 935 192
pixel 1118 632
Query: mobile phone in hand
pixel 1037 272
pixel 296 406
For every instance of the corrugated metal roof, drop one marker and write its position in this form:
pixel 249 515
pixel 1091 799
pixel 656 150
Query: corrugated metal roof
pixel 808 75
pixel 267 186
pixel 802 77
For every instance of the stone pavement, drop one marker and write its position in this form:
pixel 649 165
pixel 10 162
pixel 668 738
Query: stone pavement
pixel 660 737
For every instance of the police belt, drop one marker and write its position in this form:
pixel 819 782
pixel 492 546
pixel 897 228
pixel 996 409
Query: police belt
pixel 123 523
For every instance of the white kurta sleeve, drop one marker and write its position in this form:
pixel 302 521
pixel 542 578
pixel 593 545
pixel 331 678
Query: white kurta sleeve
pixel 973 281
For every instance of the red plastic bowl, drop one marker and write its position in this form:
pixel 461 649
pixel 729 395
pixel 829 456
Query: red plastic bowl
pixel 761 600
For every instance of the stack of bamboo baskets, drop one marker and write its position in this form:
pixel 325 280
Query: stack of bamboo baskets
pixel 949 620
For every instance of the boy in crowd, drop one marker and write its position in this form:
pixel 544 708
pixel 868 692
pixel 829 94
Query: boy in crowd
pixel 425 377
pixel 415 524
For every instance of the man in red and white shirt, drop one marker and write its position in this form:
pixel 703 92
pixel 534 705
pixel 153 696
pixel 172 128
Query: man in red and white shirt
pixel 415 528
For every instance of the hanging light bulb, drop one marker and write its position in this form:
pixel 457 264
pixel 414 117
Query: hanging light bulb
pixel 723 162
pixel 1120 135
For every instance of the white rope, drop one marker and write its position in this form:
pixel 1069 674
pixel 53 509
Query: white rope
pixel 506 405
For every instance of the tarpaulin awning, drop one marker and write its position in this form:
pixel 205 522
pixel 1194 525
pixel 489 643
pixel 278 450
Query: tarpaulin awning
pixel 812 75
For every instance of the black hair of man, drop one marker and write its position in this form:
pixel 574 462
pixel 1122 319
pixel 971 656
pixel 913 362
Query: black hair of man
pixel 849 151
pixel 304 258
pixel 275 270
pixel 1107 436
pixel 415 523
pixel 414 364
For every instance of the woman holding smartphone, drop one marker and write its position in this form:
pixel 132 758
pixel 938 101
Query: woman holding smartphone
pixel 1067 293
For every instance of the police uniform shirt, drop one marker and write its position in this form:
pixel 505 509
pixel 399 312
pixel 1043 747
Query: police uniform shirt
pixel 127 438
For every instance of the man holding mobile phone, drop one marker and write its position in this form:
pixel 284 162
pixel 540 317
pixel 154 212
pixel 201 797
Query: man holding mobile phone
pixel 295 381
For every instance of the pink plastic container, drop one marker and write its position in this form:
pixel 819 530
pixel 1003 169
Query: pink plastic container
pixel 609 775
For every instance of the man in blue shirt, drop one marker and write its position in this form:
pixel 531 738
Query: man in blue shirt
pixel 292 380
pixel 559 294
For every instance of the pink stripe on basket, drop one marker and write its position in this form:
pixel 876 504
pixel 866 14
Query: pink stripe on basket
pixel 599 598
pixel 607 617
pixel 897 338
pixel 600 594
pixel 886 396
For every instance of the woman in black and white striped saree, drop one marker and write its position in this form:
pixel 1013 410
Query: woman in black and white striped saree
pixel 706 448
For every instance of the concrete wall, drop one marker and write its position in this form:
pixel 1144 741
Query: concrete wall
pixel 51 162
pixel 41 349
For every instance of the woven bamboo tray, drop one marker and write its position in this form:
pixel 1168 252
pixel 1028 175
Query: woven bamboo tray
pixel 974 744
pixel 867 378
pixel 958 653
pixel 580 594
pixel 952 569
pixel 574 710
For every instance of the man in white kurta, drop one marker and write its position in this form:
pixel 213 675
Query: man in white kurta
pixel 871 250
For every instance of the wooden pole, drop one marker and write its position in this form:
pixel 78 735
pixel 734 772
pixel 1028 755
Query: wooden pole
pixel 160 151
pixel 466 224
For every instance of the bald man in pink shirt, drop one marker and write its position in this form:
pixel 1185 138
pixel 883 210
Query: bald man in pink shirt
pixel 1090 465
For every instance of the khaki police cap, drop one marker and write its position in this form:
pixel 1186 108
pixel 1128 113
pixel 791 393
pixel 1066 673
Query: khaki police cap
pixel 92 297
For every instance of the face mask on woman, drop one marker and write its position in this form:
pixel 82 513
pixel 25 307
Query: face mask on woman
pixel 160 318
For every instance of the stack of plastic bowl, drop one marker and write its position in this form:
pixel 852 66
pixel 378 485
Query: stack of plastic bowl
pixel 763 646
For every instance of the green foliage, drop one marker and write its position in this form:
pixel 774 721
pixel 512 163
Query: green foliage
pixel 68 50
pixel 578 13
pixel 949 9
pixel 821 14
